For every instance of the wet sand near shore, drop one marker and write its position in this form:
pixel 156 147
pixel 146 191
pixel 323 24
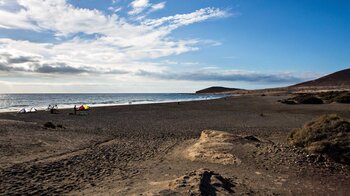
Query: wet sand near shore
pixel 144 149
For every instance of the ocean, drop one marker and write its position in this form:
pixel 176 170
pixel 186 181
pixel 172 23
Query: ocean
pixel 15 102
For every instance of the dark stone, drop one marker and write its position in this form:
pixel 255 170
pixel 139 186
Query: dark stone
pixel 49 125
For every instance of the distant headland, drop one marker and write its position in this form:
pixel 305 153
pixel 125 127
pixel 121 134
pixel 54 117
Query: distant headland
pixel 339 80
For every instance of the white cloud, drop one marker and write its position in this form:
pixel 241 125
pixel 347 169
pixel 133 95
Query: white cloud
pixel 78 54
pixel 138 6
pixel 176 21
pixel 218 74
pixel 64 19
pixel 158 6
pixel 115 1
pixel 11 20
pixel 6 2
pixel 114 9
pixel 56 85
pixel 120 44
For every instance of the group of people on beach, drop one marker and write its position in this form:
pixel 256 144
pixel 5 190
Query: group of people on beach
pixel 54 109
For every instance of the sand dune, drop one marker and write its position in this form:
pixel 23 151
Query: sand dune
pixel 220 147
pixel 215 147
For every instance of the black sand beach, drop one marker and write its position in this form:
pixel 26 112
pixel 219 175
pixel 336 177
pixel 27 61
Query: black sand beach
pixel 141 149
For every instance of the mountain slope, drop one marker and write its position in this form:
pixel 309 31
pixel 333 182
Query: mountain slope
pixel 339 78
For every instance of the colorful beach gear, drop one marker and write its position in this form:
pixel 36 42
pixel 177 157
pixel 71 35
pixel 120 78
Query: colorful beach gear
pixel 84 107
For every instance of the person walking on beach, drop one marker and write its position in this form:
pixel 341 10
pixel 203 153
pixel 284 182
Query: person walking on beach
pixel 50 108
pixel 75 109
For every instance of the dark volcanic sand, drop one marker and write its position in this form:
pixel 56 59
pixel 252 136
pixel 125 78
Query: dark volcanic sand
pixel 134 149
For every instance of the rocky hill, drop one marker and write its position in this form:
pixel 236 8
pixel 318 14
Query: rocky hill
pixel 217 89
pixel 339 78
pixel 337 81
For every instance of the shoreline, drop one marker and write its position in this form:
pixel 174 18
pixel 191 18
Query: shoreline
pixel 121 104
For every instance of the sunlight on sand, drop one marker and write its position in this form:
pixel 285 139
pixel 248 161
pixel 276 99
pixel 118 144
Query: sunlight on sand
pixel 214 147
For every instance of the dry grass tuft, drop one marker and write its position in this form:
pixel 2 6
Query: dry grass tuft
pixel 302 99
pixel 319 98
pixel 335 96
pixel 328 135
pixel 307 99
pixel 343 99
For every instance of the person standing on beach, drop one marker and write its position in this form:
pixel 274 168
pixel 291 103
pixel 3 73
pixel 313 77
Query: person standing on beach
pixel 50 108
pixel 75 109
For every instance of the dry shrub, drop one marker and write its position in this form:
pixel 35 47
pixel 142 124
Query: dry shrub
pixel 329 95
pixel 334 96
pixel 288 101
pixel 343 99
pixel 302 99
pixel 319 98
pixel 307 99
pixel 328 135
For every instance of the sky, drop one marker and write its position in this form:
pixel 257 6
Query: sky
pixel 164 46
